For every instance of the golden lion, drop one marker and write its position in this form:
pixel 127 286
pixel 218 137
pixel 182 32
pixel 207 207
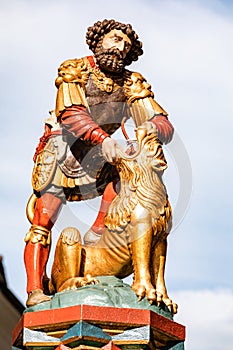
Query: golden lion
pixel 137 224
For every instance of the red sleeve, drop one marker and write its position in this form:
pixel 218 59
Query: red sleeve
pixel 77 121
pixel 164 128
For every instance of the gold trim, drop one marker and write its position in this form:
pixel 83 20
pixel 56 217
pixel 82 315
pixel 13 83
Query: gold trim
pixel 30 208
pixel 38 234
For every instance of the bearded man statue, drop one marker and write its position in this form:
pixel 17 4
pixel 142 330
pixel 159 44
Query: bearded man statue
pixel 74 156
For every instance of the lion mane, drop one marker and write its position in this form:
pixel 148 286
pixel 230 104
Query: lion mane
pixel 141 183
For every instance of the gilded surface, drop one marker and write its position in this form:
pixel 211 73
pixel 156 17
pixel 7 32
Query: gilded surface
pixel 38 234
pixel 30 208
pixel 140 98
pixel 137 225
pixel 137 87
pixel 138 185
pixel 71 81
pixel 44 167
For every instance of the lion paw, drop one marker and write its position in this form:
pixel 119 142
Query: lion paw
pixel 76 282
pixel 88 279
pixel 170 305
pixel 144 290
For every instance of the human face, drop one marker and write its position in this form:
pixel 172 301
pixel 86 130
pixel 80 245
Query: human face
pixel 116 38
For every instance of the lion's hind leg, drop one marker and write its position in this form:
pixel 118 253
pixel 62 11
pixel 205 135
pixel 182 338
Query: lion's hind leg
pixel 67 262
pixel 158 270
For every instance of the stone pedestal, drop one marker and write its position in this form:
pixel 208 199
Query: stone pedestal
pixel 81 326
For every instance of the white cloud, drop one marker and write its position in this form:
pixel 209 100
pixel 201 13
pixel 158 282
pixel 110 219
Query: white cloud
pixel 208 317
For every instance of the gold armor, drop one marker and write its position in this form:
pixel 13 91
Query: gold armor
pixel 38 234
pixel 73 76
pixel 140 99
pixel 71 80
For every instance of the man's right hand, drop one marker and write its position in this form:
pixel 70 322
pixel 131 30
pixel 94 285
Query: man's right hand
pixel 109 146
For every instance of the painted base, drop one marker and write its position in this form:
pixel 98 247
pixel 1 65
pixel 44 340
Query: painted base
pixel 117 321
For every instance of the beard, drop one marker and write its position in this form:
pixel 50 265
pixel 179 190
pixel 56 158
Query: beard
pixel 110 60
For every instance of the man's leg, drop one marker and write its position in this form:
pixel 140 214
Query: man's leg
pixel 94 233
pixel 38 245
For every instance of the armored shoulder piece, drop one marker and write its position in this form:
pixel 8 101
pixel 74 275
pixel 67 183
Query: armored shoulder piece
pixel 140 98
pixel 72 78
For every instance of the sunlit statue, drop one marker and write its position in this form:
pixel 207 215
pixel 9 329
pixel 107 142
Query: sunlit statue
pixel 135 237
pixel 77 159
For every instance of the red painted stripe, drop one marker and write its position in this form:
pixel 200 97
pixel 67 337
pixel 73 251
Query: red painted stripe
pixel 96 314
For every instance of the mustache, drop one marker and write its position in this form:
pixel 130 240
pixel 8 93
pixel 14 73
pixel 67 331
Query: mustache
pixel 113 51
pixel 110 59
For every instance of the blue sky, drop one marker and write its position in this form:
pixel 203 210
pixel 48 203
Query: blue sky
pixel 187 59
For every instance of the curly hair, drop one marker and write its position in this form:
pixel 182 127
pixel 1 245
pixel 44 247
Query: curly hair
pixel 96 33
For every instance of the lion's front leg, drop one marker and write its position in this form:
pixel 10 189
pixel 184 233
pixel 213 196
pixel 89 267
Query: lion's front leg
pixel 158 267
pixel 140 247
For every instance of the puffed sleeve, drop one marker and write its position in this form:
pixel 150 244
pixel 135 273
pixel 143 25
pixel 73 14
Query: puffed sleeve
pixel 71 80
pixel 143 106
